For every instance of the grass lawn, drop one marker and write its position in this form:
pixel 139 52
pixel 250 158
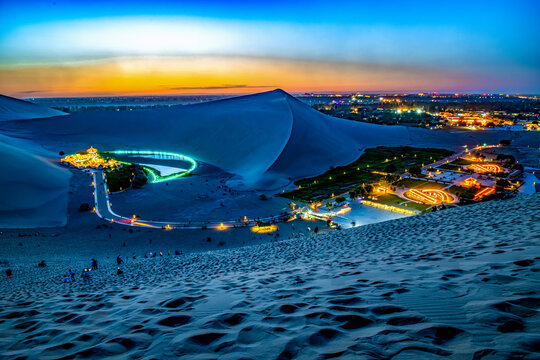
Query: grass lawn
pixel 461 161
pixel 449 167
pixel 345 178
pixel 394 200
pixel 463 192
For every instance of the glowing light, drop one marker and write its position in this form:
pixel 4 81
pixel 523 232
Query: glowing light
pixel 221 227
pixel 154 176
pixel 264 229
pixel 429 196
pixel 484 192
pixel 486 168
pixel 90 159
pixel 469 182
pixel 388 207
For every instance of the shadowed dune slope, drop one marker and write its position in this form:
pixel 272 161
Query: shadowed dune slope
pixel 15 109
pixel 33 192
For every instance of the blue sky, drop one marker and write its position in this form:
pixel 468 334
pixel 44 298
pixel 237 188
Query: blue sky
pixel 492 44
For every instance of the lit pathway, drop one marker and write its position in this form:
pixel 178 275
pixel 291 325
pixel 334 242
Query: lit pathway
pixel 103 210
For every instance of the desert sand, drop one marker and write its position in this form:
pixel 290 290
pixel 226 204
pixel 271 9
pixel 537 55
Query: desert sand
pixel 462 284
pixel 265 141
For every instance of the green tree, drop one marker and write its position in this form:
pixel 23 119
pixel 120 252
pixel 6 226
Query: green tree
pixel 391 168
pixel 415 170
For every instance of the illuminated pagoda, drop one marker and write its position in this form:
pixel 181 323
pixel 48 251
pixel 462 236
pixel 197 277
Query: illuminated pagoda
pixel 90 159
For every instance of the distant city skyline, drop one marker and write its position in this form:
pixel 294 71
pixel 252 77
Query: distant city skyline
pixel 103 48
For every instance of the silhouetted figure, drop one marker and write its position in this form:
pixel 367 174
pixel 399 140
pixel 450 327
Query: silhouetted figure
pixel 119 260
pixel 66 279
pixel 160 253
pixel 72 275
pixel 176 252
pixel 155 254
pixel 42 264
pixel 316 230
pixel 94 264
pixel 85 276
pixel 119 271
pixel 146 256
pixel 9 273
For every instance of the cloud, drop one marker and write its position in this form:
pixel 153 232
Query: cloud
pixel 31 91
pixel 220 87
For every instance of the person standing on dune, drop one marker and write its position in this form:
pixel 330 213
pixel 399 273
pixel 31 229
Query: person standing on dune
pixel 94 264
pixel 86 276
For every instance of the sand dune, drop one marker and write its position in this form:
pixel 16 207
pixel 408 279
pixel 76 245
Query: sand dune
pixel 450 285
pixel 267 137
pixel 33 192
pixel 15 109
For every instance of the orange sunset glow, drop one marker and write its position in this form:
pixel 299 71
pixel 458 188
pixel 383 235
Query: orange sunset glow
pixel 205 74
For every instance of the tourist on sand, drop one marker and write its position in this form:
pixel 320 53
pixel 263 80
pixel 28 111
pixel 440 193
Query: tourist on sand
pixel 155 254
pixel 119 271
pixel 42 264
pixel 9 274
pixel 94 264
pixel 160 253
pixel 176 252
pixel 72 275
pixel 67 278
pixel 119 260
pixel 86 276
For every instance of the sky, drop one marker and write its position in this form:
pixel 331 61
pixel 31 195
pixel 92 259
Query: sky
pixel 106 48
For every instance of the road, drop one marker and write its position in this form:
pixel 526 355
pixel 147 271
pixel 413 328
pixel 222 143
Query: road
pixel 103 210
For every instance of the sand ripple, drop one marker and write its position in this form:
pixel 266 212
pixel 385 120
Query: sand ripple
pixel 446 284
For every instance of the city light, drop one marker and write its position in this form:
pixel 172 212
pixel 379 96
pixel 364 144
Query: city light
pixel 264 229
pixel 484 192
pixel 486 168
pixel 388 207
pixel 429 196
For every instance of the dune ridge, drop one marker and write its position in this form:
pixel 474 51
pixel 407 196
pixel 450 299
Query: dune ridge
pixel 15 109
pixel 461 283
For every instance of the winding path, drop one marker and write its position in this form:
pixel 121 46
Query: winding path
pixel 103 210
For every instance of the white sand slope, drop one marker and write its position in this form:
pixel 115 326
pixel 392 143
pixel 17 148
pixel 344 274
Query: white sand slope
pixel 33 192
pixel 15 109
pixel 457 284
pixel 265 138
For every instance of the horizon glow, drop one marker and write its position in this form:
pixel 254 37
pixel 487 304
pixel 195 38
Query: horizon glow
pixel 130 48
